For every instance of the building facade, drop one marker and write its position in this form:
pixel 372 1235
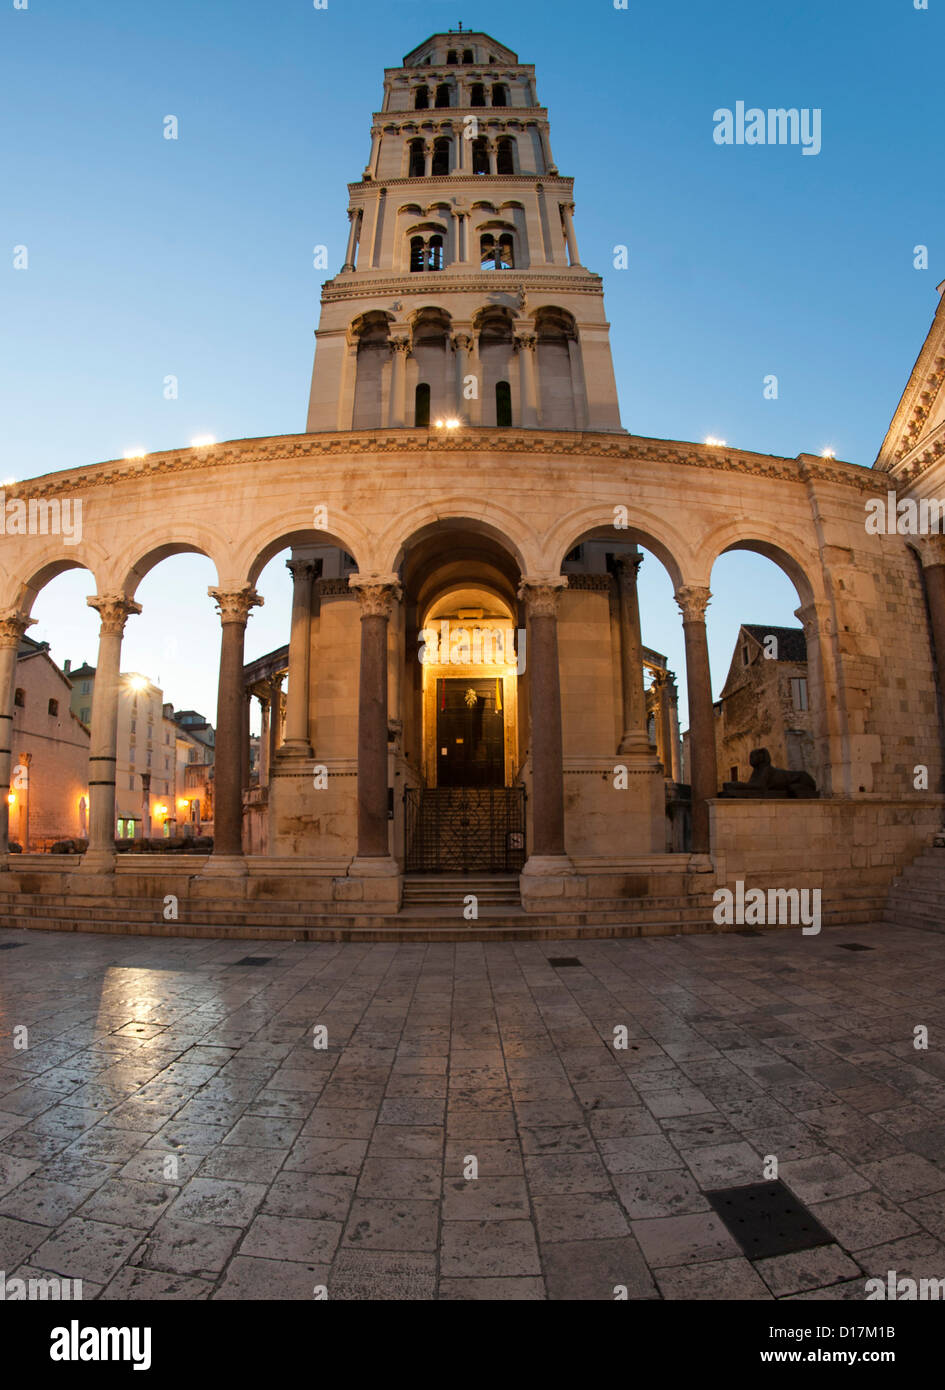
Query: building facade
pixel 48 796
pixel 765 703
pixel 464 686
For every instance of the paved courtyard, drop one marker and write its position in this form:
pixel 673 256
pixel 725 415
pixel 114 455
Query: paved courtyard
pixel 171 1131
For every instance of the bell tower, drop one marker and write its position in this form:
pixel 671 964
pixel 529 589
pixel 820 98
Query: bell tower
pixel 462 297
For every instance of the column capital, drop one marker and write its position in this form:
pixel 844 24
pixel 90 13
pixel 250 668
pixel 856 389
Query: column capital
pixel 13 625
pixel 399 345
pixel 540 594
pixel 377 593
pixel 815 619
pixel 305 570
pixel 233 605
pixel 628 567
pixel 693 600
pixel 931 550
pixel 114 610
pixel 462 342
pixel 528 341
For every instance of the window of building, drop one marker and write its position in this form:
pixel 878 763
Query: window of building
pixel 799 692
pixel 134 723
pixel 85 715
pixel 468 55
pixel 505 158
pixel 733 774
pixel 132 757
pixel 503 403
pixel 131 783
pixel 499 94
pixel 496 255
pixel 416 159
pixel 421 416
pixel 441 156
pixel 19 698
pixel 443 94
pixel 575 555
pixel 746 655
pixel 477 95
pixel 451 56
pixel 435 253
pixel 421 99
pixel 54 707
pixel 480 156
pixel 417 253
pixel 85 688
pixel 149 760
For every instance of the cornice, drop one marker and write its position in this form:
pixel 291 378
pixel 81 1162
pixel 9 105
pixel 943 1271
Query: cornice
pixel 423 286
pixel 620 449
pixel 918 460
pixel 462 180
pixel 438 114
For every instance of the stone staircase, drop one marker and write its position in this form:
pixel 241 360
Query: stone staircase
pixel 917 896
pixel 432 911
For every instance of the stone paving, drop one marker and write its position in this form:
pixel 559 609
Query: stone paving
pixel 171 1132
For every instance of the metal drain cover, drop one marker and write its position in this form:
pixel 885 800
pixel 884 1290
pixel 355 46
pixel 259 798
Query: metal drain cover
pixel 854 946
pixel 254 960
pixel 12 945
pixel 767 1219
pixel 560 961
pixel 748 931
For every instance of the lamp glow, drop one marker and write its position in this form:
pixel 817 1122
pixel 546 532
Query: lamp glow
pixel 828 454
pixel 202 441
pixel 11 798
pixel 135 453
pixel 719 443
pixel 138 682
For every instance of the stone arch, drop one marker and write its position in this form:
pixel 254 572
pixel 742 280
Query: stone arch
pixel 371 332
pixel 494 326
pixel 285 531
pixel 499 524
pixel 643 527
pixel 136 562
pixel 21 594
pixel 780 547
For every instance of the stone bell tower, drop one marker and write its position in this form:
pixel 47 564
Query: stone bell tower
pixel 462 297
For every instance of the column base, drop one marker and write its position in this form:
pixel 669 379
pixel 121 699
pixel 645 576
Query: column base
pixel 701 864
pixel 638 744
pixel 384 866
pixel 294 749
pixel 98 861
pixel 548 866
pixel 224 866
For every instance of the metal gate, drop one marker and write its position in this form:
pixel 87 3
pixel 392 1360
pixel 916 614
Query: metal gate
pixel 464 829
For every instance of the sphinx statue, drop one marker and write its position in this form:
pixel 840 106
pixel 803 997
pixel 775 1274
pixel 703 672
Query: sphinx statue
pixel 769 781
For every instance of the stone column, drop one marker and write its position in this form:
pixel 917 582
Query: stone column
pixel 634 738
pixel 371 170
pixel 398 383
pixel 663 714
pixel 578 391
pixel 227 856
pixel 567 219
pixel 245 755
pixel 544 135
pixel 114 610
pixel 693 601
pixel 674 726
pixel 527 344
pixel 354 232
pixel 462 346
pixel 13 625
pixel 275 720
pixel 547 855
pixel 297 741
pixel 427 158
pixel 377 595
pixel 816 620
pixel 263 741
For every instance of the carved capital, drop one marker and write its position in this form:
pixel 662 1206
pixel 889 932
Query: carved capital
pixel 528 341
pixel 540 596
pixel 400 345
pixel 114 610
pixel 462 342
pixel 931 549
pixel 13 625
pixel 377 594
pixel 234 606
pixel 628 568
pixel 693 601
pixel 304 571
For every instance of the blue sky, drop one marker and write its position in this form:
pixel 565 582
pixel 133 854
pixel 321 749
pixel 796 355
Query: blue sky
pixel 193 257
